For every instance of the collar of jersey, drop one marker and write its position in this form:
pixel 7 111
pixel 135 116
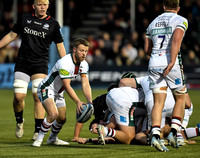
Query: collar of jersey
pixel 73 60
pixel 169 12
pixel 46 18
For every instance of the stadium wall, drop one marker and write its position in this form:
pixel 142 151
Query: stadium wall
pixel 101 77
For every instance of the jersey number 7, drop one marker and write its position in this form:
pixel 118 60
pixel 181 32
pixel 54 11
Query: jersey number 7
pixel 163 38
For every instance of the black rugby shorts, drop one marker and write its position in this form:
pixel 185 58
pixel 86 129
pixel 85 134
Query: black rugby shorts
pixel 31 69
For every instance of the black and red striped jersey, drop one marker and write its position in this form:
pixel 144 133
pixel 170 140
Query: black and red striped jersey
pixel 37 36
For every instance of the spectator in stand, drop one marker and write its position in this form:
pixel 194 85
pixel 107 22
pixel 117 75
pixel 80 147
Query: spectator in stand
pixel 107 42
pixel 142 59
pixel 134 39
pixel 101 45
pixel 104 24
pixel 196 10
pixel 108 22
pixel 99 58
pixel 124 10
pixel 117 27
pixel 24 7
pixel 191 59
pixel 72 16
pixel 186 8
pixel 141 14
pixel 6 23
pixel 115 11
pixel 112 56
pixel 93 44
pixel 9 53
pixel 128 54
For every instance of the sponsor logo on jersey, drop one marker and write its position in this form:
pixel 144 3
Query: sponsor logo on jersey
pixel 34 32
pixel 29 21
pixel 35 22
pixel 162 31
pixel 44 93
pixel 46 26
pixel 64 72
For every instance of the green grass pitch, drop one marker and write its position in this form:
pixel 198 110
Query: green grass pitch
pixel 12 147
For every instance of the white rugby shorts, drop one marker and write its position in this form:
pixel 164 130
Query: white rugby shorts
pixel 49 93
pixel 174 80
pixel 122 107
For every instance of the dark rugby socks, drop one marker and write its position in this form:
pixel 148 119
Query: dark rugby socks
pixel 38 123
pixel 19 116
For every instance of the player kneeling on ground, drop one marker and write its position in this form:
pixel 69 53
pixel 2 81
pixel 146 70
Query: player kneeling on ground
pixel 122 102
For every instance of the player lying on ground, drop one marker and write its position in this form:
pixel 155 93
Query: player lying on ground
pixel 128 79
pixel 135 84
pixel 100 110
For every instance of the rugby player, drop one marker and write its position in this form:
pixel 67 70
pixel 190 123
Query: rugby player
pixel 122 102
pixel 140 115
pixel 101 113
pixel 37 31
pixel 51 89
pixel 163 40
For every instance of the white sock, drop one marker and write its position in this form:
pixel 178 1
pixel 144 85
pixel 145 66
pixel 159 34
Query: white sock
pixel 45 127
pixel 155 130
pixel 179 135
pixel 176 123
pixel 191 132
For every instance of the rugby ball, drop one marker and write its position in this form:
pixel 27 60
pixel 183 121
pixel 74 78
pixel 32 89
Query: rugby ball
pixel 86 113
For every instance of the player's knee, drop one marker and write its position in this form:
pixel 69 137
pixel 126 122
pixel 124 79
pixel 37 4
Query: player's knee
pixel 35 84
pixel 128 141
pixel 20 86
pixel 129 138
pixel 52 116
pixel 180 91
pixel 36 98
pixel 18 99
pixel 62 120
pixel 160 90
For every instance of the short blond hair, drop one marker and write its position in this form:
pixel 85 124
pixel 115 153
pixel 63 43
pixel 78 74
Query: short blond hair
pixel 42 1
